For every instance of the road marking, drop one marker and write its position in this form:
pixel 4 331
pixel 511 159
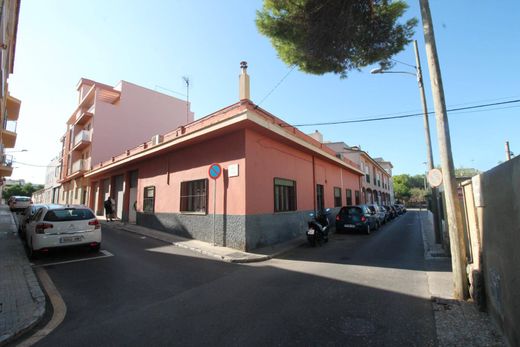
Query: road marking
pixel 105 255
pixel 58 306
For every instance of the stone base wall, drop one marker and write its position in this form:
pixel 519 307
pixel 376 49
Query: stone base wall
pixel 229 231
pixel 240 232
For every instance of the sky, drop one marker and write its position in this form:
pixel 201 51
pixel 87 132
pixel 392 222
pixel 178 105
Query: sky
pixel 155 43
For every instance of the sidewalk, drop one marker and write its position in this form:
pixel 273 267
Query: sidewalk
pixel 458 323
pixel 222 253
pixel 22 302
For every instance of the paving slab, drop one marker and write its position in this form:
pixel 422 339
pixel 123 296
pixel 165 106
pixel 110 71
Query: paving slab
pixel 22 301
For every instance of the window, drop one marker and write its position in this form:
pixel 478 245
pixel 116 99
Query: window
pixel 284 195
pixel 320 202
pixel 356 194
pixel 367 173
pixel 337 197
pixel 349 197
pixel 149 199
pixel 194 196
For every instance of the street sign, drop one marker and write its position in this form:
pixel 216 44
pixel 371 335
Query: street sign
pixel 214 171
pixel 435 177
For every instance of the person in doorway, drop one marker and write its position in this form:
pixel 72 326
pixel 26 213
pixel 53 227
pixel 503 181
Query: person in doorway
pixel 108 209
pixel 114 207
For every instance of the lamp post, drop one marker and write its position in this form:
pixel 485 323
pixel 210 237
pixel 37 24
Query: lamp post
pixel 418 75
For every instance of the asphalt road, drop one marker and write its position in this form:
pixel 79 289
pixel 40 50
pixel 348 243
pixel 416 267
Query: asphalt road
pixel 357 290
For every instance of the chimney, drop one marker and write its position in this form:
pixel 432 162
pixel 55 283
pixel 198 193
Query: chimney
pixel 243 83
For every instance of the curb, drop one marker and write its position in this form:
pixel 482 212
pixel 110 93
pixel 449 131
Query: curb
pixel 242 260
pixel 39 299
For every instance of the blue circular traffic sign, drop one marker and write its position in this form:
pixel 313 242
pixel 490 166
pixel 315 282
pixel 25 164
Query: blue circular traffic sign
pixel 214 171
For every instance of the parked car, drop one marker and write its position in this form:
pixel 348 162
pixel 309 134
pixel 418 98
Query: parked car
pixel 62 226
pixel 380 214
pixel 403 208
pixel 388 213
pixel 398 209
pixel 391 210
pixel 356 218
pixel 26 216
pixel 19 203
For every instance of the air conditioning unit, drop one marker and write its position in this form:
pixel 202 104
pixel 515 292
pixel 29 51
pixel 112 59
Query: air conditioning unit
pixel 156 139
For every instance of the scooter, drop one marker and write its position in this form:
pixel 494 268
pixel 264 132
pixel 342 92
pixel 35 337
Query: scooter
pixel 318 228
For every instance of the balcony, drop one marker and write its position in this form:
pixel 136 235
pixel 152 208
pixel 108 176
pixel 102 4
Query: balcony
pixel 81 140
pixel 6 165
pixel 13 108
pixel 8 134
pixel 78 168
pixel 84 116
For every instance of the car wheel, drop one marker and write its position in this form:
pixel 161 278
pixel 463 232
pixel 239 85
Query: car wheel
pixel 368 229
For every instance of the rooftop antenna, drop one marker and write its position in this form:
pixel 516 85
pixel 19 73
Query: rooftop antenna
pixel 186 80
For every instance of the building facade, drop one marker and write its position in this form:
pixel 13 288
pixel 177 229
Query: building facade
pixel 107 121
pixel 273 175
pixel 376 185
pixel 387 166
pixel 9 105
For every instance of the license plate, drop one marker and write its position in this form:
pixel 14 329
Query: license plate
pixel 310 232
pixel 66 239
pixel 349 226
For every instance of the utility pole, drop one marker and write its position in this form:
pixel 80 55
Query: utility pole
pixel 431 165
pixel 508 151
pixel 454 213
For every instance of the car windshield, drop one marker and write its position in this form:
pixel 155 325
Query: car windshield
pixel 351 210
pixel 69 214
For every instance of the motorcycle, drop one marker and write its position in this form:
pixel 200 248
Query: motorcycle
pixel 318 228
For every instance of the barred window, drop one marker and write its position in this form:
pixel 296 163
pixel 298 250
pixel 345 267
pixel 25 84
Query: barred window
pixel 149 199
pixel 349 197
pixel 356 194
pixel 194 196
pixel 337 197
pixel 284 195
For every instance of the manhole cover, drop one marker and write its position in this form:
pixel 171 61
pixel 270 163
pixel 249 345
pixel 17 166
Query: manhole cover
pixel 358 327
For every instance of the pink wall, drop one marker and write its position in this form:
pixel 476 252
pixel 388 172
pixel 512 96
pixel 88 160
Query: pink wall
pixel 192 163
pixel 140 114
pixel 268 158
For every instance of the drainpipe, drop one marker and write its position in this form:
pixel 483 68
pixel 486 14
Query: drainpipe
pixel 314 184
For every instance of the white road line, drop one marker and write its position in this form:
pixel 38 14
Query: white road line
pixel 105 255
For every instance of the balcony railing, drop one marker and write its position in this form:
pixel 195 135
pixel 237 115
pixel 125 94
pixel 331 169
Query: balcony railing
pixel 6 165
pixel 81 139
pixel 80 166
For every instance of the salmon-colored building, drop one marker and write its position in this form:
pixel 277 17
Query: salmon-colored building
pixel 107 121
pixel 377 185
pixel 273 175
pixel 9 105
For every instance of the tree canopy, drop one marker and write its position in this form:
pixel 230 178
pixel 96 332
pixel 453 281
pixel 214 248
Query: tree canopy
pixel 335 36
pixel 20 190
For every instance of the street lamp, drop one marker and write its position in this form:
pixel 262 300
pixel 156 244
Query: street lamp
pixel 418 75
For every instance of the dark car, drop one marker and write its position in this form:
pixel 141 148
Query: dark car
pixel 392 213
pixel 356 218
pixel 398 209
pixel 388 213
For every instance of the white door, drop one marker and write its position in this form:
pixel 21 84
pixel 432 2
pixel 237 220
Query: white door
pixel 132 215
pixel 132 201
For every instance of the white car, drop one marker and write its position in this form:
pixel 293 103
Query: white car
pixel 62 226
pixel 19 203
